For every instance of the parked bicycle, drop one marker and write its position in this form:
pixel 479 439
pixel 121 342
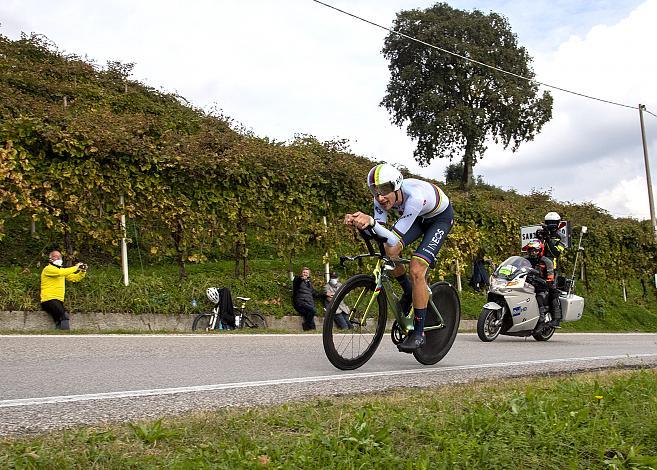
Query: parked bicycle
pixel 213 321
pixel 351 348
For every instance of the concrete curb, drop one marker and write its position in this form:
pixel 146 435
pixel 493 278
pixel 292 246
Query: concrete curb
pixel 34 321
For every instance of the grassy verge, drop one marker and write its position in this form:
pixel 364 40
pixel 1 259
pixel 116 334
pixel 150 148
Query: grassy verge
pixel 157 289
pixel 586 421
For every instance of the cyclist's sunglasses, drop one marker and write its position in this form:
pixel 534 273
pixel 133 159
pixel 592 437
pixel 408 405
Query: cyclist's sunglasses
pixel 382 189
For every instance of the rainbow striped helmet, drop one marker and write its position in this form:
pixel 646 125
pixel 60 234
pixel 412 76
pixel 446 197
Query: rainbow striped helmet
pixel 384 179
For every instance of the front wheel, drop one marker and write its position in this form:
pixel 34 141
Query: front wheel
pixel 488 325
pixel 350 348
pixel 440 341
pixel 202 322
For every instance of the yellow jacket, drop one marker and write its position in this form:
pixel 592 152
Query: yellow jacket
pixel 53 279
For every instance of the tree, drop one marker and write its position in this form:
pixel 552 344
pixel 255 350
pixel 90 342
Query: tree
pixel 451 105
pixel 453 172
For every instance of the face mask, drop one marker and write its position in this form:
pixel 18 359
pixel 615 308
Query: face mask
pixel 58 262
pixel 333 282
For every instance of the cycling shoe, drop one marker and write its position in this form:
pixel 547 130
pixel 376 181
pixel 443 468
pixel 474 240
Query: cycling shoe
pixel 411 343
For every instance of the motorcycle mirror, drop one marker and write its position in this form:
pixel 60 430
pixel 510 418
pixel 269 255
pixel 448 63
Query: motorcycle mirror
pixel 584 229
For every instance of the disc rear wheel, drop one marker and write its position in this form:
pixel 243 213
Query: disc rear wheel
pixel 440 341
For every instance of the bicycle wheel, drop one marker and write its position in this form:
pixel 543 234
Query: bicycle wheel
pixel 440 341
pixel 348 349
pixel 254 320
pixel 202 322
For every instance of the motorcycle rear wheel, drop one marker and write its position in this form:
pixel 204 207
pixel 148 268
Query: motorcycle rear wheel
pixel 486 330
pixel 544 334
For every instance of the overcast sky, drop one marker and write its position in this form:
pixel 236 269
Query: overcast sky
pixel 282 67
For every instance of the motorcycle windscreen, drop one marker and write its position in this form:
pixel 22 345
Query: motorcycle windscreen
pixel 512 267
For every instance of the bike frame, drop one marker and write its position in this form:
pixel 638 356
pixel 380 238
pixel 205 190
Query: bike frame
pixel 384 284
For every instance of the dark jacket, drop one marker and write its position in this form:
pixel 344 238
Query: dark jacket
pixel 555 244
pixel 303 293
pixel 545 267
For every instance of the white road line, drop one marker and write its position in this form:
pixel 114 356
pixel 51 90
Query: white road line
pixel 255 335
pixel 298 380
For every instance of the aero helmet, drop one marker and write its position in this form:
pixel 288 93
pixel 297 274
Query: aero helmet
pixel 384 179
pixel 213 295
pixel 552 220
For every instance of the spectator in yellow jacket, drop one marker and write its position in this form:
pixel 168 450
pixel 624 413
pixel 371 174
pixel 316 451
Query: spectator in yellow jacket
pixel 53 279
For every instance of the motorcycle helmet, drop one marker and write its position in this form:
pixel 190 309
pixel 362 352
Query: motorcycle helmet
pixel 534 248
pixel 213 295
pixel 384 179
pixel 552 220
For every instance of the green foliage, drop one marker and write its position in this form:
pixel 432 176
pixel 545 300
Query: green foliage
pixel 151 433
pixel 75 137
pixel 450 106
pixel 196 190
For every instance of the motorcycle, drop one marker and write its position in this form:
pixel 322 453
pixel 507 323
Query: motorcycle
pixel 512 308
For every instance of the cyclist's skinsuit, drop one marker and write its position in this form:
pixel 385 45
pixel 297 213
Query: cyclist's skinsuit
pixel 424 209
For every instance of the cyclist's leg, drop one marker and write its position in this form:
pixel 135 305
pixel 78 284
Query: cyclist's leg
pixel 435 233
pixel 413 233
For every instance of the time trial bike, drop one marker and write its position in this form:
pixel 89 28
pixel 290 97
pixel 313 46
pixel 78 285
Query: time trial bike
pixel 367 299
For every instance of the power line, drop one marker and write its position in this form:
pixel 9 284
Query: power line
pixel 476 61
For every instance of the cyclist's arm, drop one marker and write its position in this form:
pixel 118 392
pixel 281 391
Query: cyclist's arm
pixel 380 214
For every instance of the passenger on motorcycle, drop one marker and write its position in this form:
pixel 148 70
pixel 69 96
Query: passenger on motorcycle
pixel 554 240
pixel 545 280
pixel 424 211
pixel 554 245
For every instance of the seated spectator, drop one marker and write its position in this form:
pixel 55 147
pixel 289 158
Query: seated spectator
pixel 342 313
pixel 303 299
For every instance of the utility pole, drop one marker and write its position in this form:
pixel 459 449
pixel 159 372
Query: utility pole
pixel 648 178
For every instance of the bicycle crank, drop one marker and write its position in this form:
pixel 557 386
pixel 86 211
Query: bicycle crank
pixel 396 333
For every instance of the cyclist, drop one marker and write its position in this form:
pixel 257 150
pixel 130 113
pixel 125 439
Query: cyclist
pixel 424 211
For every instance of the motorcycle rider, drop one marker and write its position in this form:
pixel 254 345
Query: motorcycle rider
pixel 554 245
pixel 545 280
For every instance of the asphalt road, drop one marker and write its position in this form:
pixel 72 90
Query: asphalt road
pixel 50 382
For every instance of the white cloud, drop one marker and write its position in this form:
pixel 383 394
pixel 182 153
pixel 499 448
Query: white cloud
pixel 628 197
pixel 590 145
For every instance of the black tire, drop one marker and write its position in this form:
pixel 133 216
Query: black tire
pixel 545 334
pixel 349 349
pixel 254 320
pixel 486 331
pixel 440 341
pixel 202 322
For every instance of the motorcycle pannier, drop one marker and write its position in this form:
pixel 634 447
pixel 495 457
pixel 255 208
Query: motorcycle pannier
pixel 572 307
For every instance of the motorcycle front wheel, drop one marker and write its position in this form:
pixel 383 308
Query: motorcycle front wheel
pixel 488 326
